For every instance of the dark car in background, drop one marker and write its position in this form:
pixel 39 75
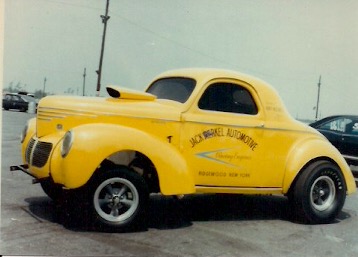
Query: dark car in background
pixel 18 102
pixel 342 132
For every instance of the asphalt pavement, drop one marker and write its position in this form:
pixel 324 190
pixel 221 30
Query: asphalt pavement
pixel 201 225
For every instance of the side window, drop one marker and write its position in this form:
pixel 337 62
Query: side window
pixel 355 128
pixel 8 97
pixel 15 98
pixel 337 125
pixel 227 97
pixel 352 127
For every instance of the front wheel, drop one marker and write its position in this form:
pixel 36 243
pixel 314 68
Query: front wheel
pixel 319 193
pixel 54 191
pixel 118 200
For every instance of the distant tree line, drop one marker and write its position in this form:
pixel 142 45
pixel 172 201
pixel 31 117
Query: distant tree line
pixel 19 87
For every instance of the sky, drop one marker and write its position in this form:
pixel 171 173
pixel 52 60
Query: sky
pixel 287 43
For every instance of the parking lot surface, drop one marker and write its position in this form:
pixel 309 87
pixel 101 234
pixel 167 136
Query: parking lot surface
pixel 201 225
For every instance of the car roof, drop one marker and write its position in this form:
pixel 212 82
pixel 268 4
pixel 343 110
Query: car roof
pixel 201 74
pixel 328 118
pixel 270 99
pixel 27 97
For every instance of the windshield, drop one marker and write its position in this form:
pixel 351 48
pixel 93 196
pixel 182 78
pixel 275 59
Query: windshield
pixel 176 89
pixel 28 98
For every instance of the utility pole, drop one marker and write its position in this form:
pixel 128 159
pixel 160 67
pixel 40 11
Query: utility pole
pixel 319 89
pixel 84 82
pixel 43 92
pixel 105 18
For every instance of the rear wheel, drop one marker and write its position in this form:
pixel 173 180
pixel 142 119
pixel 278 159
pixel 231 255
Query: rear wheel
pixel 118 200
pixel 319 193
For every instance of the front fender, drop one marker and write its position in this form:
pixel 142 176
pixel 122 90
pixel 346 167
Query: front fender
pixel 311 149
pixel 94 142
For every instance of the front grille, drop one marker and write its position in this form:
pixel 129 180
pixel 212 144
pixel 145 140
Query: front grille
pixel 37 152
pixel 29 150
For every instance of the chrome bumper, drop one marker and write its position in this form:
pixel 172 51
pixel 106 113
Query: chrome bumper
pixel 25 168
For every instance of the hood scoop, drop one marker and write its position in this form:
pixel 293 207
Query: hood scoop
pixel 130 94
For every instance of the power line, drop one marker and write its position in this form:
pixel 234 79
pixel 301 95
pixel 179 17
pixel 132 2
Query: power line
pixel 204 54
pixel 182 45
pixel 71 4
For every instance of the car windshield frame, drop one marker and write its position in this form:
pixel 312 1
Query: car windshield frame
pixel 27 98
pixel 177 89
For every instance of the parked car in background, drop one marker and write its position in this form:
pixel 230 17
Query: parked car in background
pixel 18 101
pixel 342 132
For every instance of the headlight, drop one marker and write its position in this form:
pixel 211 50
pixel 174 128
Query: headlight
pixel 66 143
pixel 24 132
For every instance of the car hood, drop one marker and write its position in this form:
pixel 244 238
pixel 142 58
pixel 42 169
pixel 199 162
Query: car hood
pixel 65 112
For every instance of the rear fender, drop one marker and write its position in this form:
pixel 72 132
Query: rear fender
pixel 92 143
pixel 310 150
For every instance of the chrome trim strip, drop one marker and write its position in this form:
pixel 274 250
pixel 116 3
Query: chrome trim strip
pixel 64 113
pixel 253 189
pixel 350 157
pixel 33 150
pixel 259 126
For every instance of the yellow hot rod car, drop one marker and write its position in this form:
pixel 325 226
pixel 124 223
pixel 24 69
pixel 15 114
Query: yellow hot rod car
pixel 192 131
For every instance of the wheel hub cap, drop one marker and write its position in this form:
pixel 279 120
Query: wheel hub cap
pixel 116 200
pixel 323 193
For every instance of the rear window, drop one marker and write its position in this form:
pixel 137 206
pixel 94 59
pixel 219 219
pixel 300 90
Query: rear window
pixel 345 125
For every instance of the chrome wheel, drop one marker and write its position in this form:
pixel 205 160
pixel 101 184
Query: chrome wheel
pixel 116 200
pixel 323 193
pixel 319 193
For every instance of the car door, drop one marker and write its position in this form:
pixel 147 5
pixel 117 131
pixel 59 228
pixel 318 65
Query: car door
pixel 333 130
pixel 6 104
pixel 16 104
pixel 19 103
pixel 349 144
pixel 224 139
